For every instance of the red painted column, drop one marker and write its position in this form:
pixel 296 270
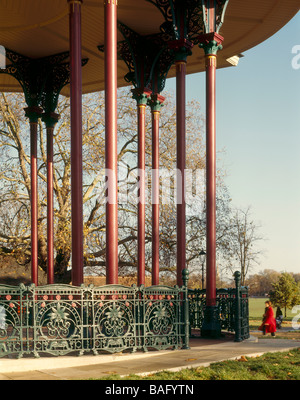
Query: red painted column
pixel 211 61
pixel 110 22
pixel 76 141
pixel 141 96
pixel 50 121
pixel 141 194
pixel 156 103
pixel 33 113
pixel 211 43
pixel 155 197
pixel 181 162
pixel 50 212
pixel 34 202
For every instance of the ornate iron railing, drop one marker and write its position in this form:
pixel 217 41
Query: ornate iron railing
pixel 224 301
pixel 233 309
pixel 60 319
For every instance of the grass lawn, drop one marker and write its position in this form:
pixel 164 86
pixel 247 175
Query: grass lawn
pixel 270 366
pixel 257 308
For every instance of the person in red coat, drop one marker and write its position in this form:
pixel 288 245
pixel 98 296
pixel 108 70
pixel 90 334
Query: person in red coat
pixel 269 323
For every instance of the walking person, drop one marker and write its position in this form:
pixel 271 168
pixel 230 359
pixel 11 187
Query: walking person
pixel 269 323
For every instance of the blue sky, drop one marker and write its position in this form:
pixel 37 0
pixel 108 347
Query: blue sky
pixel 258 125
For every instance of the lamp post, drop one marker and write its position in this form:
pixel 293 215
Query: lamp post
pixel 202 256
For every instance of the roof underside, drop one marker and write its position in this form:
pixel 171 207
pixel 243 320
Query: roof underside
pixel 39 28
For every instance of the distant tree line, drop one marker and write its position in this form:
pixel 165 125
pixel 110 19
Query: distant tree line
pixel 262 283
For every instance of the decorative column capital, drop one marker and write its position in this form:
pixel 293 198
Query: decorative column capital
pixel 33 113
pixel 182 48
pixel 156 102
pixel 50 119
pixel 211 43
pixel 141 95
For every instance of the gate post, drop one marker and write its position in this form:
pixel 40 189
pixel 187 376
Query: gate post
pixel 186 320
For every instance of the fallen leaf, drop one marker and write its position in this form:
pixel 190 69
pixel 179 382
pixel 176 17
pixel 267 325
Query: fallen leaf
pixel 243 358
pixel 191 359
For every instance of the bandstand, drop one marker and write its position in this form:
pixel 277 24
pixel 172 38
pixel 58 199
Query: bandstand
pixel 72 47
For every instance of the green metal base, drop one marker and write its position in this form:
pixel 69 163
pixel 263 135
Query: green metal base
pixel 211 327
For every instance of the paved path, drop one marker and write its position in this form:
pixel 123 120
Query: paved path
pixel 202 353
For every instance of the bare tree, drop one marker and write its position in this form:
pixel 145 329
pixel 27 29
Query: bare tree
pixel 243 248
pixel 15 186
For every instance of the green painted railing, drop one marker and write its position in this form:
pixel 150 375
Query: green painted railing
pixel 233 309
pixel 61 319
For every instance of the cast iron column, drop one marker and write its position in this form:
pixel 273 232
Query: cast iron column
pixel 211 43
pixel 50 120
pixel 110 22
pixel 50 212
pixel 141 194
pixel 181 161
pixel 33 113
pixel 211 179
pixel 182 48
pixel 155 103
pixel 76 142
pixel 141 96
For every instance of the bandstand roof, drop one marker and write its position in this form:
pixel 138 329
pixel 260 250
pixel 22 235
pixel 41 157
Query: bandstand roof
pixel 38 28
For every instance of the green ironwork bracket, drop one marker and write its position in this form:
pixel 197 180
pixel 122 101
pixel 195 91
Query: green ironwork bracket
pixel 219 10
pixel 32 74
pixel 183 18
pixel 148 58
pixel 41 79
pixel 57 79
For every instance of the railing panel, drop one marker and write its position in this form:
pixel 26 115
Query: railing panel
pixel 61 319
pixel 14 320
pixel 233 310
pixel 163 317
pixel 197 299
pixel 114 318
